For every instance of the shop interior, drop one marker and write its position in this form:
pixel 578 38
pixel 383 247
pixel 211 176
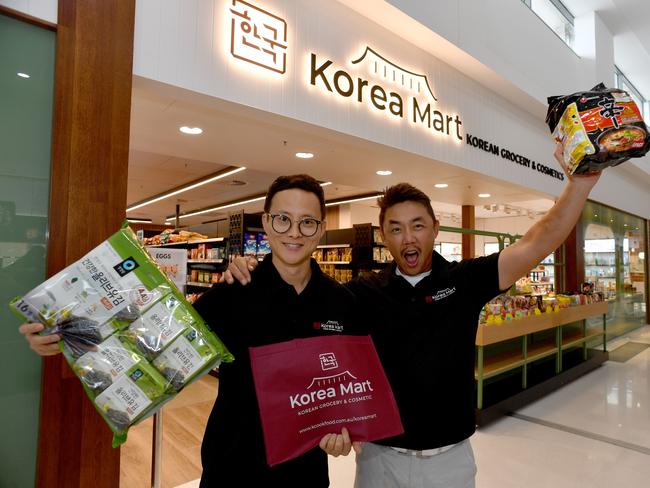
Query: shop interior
pixel 209 181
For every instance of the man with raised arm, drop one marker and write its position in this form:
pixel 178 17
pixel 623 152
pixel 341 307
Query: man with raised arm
pixel 423 315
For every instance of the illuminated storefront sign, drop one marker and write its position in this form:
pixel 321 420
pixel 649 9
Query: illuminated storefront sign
pixel 399 92
pixel 258 36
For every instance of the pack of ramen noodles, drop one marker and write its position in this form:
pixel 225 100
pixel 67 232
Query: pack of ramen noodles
pixel 598 128
pixel 126 331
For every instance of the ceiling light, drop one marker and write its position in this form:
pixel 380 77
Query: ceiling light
pixel 441 185
pixel 384 172
pixel 484 195
pixel 190 186
pixel 595 215
pixel 23 75
pixel 304 155
pixel 352 199
pixel 216 209
pixel 252 199
pixel 139 221
pixel 624 225
pixel 191 130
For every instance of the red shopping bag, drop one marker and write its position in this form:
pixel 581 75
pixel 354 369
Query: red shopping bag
pixel 307 388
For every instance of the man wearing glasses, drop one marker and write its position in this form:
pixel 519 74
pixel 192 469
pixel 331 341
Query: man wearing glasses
pixel 289 297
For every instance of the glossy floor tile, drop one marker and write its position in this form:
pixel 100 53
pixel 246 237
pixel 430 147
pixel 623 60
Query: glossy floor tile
pixel 612 401
pixel 608 411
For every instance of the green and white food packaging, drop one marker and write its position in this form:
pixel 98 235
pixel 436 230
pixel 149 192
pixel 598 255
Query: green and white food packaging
pixel 127 331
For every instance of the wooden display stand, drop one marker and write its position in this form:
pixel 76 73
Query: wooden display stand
pixel 529 353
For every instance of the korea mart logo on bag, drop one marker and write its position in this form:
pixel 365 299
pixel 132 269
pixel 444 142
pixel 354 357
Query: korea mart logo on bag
pixel 258 37
pixel 126 266
pixel 331 390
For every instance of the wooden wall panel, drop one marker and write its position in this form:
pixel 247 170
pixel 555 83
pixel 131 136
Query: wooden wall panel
pixel 468 221
pixel 87 203
pixel 574 259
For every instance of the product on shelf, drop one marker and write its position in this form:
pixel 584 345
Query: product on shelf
pixel 170 236
pixel 598 128
pixel 504 308
pixel 250 244
pixel 116 310
pixel 376 236
pixel 193 297
pixel 263 246
pixel 318 255
pixel 341 275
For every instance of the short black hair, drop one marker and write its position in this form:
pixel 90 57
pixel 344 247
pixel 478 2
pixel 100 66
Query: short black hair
pixel 400 193
pixel 300 182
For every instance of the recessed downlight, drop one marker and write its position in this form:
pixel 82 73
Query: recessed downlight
pixel 484 195
pixel 191 130
pixel 441 185
pixel 304 155
pixel 384 172
pixel 23 75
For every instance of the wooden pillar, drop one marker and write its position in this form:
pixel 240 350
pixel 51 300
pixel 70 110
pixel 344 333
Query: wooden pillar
pixel 575 259
pixel 90 144
pixel 468 240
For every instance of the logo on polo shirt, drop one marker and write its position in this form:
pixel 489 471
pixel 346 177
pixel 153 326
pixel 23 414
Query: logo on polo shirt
pixel 330 326
pixel 440 294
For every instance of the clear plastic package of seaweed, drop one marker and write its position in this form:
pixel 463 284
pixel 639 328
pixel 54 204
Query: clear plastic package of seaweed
pixel 127 332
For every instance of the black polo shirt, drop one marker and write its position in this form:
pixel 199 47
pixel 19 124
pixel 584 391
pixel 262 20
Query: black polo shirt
pixel 266 311
pixel 425 337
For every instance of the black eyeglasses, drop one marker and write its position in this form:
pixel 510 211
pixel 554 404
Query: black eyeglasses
pixel 281 224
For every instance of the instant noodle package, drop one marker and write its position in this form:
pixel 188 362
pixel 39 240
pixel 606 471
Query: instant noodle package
pixel 598 128
pixel 127 332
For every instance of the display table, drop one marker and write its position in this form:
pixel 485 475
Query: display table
pixel 502 362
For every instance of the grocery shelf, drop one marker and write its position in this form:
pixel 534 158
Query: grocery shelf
pixel 331 246
pixel 190 242
pixel 501 363
pixel 541 350
pixel 204 261
pixel 199 284
pixel 490 366
pixel 334 262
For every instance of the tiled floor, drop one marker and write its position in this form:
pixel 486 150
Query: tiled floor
pixel 593 433
pixel 608 412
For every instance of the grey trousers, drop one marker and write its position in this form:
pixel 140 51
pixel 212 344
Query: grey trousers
pixel 383 467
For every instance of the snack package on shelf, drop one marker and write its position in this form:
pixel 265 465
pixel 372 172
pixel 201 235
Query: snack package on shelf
pixel 598 128
pixel 504 308
pixel 318 255
pixel 168 236
pixel 127 332
pixel 250 244
pixel 263 246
